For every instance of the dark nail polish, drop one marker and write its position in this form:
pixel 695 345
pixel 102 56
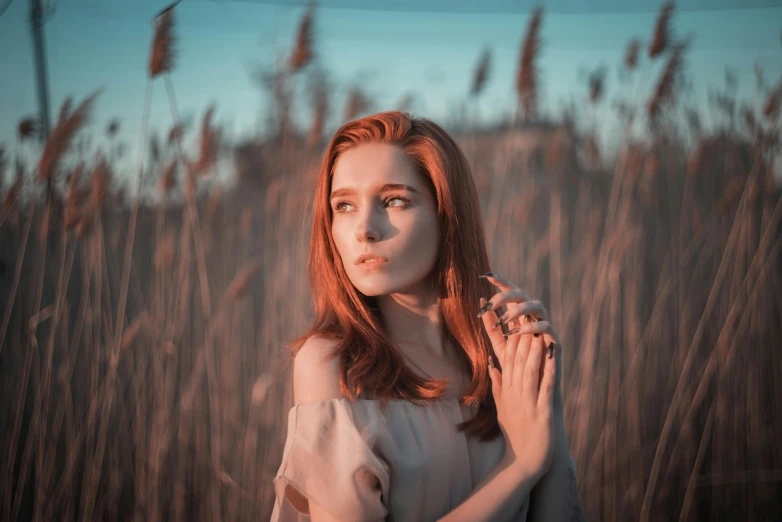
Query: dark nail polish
pixel 550 353
pixel 491 274
pixel 485 308
pixel 499 322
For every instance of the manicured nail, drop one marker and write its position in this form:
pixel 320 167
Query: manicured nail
pixel 485 308
pixel 489 274
pixel 550 353
pixel 511 332
pixel 499 322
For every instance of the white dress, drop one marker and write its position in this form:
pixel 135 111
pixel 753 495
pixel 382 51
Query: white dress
pixel 406 464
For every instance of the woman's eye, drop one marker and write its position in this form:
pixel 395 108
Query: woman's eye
pixel 339 206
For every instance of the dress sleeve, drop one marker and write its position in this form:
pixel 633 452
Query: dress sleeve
pixel 328 458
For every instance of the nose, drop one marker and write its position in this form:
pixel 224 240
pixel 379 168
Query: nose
pixel 366 230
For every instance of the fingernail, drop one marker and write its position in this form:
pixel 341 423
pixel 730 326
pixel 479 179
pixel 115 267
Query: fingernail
pixel 490 274
pixel 499 322
pixel 511 332
pixel 550 353
pixel 485 308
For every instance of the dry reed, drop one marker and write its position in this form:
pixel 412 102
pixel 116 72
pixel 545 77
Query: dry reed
pixel 163 54
pixel 63 134
pixel 662 38
pixel 481 73
pixel 526 82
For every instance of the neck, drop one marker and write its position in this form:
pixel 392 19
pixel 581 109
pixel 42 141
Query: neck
pixel 413 321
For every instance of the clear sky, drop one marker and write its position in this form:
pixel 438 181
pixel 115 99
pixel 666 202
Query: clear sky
pixel 430 52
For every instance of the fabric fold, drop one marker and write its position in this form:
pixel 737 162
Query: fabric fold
pixel 329 458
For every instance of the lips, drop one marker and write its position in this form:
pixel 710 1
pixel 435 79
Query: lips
pixel 369 257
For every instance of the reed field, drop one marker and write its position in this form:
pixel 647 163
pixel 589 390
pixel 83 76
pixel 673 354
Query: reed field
pixel 143 367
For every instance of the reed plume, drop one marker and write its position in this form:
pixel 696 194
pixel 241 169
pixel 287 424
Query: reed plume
pixel 62 135
pixel 65 108
pixel 664 92
pixel 319 96
pixel 631 54
pixel 72 212
pixel 112 128
pixel 163 54
pixel 481 72
pixel 168 178
pixel 101 177
pixel 526 84
pixel 210 138
pixel 303 53
pixel 771 107
pixel 596 80
pixel 357 103
pixel 28 128
pixel 662 31
pixel 241 282
pixel 175 134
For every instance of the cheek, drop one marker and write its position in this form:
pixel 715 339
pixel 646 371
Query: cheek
pixel 338 235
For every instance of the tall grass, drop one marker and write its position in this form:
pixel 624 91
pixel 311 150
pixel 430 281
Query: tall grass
pixel 142 365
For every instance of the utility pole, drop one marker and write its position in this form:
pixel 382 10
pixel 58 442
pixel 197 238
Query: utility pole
pixel 37 21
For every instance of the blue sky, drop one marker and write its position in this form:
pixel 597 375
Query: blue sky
pixel 431 52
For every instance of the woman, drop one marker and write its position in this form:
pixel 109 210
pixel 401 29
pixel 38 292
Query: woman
pixel 400 412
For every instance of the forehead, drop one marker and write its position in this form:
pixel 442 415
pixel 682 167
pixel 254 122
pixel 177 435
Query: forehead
pixel 369 163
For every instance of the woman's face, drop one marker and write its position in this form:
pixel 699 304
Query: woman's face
pixel 396 223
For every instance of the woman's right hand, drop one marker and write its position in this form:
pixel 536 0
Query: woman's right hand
pixel 524 395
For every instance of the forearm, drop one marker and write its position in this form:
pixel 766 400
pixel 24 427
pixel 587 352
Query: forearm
pixel 555 496
pixel 498 497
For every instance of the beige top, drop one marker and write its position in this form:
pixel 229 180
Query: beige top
pixel 408 463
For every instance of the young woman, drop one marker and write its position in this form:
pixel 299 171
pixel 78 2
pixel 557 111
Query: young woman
pixel 400 409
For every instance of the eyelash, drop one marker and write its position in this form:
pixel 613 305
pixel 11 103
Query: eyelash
pixel 389 198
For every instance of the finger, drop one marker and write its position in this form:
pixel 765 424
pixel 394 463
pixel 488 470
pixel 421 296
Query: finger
pixel 496 381
pixel 506 285
pixel 509 354
pixel 532 372
pixel 509 298
pixel 546 398
pixel 542 328
pixel 534 309
pixel 524 342
pixel 500 281
pixel 495 334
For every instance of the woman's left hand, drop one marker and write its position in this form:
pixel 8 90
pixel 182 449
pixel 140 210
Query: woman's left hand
pixel 535 322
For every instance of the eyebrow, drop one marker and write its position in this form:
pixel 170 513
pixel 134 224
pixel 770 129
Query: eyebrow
pixel 379 189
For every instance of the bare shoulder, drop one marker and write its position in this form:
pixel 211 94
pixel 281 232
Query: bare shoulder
pixel 315 376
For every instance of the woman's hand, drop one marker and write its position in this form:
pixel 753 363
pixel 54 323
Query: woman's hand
pixel 524 391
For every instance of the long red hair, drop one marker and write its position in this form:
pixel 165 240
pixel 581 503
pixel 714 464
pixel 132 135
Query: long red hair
pixel 369 362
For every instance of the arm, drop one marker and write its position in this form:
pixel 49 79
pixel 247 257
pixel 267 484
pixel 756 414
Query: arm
pixel 315 378
pixel 498 497
pixel 555 496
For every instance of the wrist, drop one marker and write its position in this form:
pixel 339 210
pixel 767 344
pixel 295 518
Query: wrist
pixel 523 476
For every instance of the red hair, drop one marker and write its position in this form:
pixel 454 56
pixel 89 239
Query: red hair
pixel 369 362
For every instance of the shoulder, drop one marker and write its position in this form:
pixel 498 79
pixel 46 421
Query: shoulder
pixel 315 375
